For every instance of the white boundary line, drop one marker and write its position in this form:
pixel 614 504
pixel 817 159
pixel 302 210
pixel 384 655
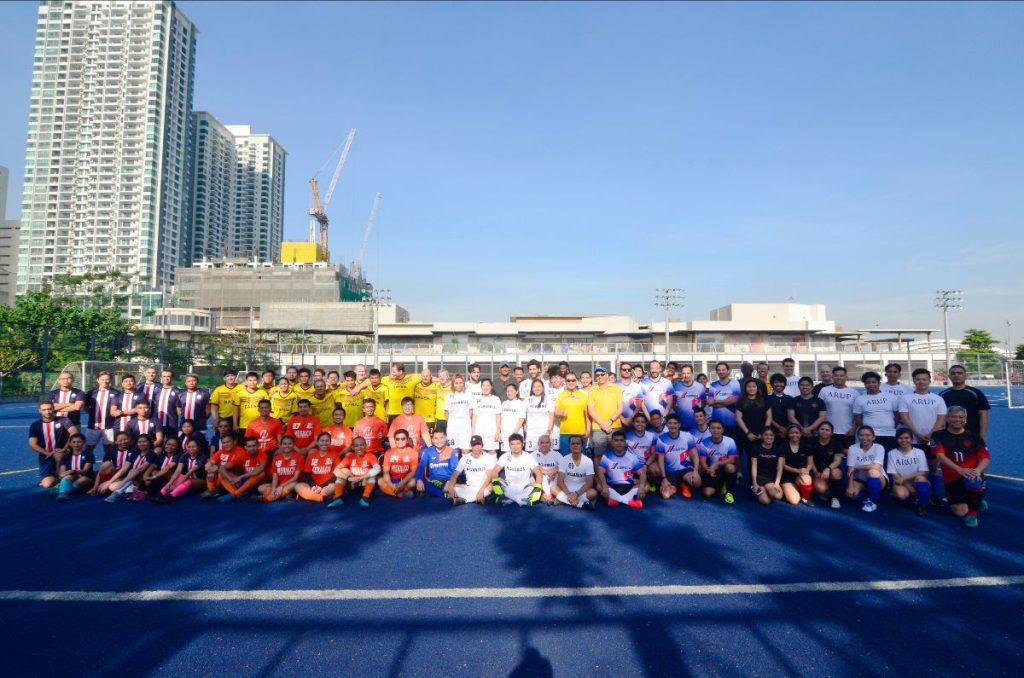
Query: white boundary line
pixel 261 595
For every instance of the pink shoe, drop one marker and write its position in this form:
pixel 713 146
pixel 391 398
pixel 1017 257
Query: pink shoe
pixel 612 502
pixel 635 503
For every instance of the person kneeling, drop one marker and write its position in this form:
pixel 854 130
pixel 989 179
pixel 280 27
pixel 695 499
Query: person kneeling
pixel 864 466
pixel 285 470
pixel 796 476
pixel 908 469
pixel 357 472
pixel 76 468
pixel 319 469
pixel 622 476
pixel 766 464
pixel 244 472
pixel 574 484
pixel 479 468
pixel 718 457
pixel 522 482
pixel 399 465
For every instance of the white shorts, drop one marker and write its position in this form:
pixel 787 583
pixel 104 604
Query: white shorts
pixel 621 498
pixel 458 434
pixel 520 495
pixel 469 493
pixel 547 484
pixel 581 499
pixel 97 440
pixel 531 442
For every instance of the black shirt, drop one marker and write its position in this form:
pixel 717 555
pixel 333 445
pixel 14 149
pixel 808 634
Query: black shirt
pixel 972 400
pixel 767 463
pixel 807 410
pixel 779 404
pixel 816 391
pixel 796 459
pixel 823 454
pixel 754 414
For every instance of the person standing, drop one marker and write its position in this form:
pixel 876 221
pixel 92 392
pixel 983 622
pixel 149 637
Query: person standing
pixel 604 409
pixel 571 409
pixel 67 400
pixel 839 399
pixel 194 403
pixel 504 380
pixel 971 399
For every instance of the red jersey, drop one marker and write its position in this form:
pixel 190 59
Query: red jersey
pixel 224 457
pixel 341 437
pixel 359 465
pixel 400 462
pixel 414 425
pixel 304 430
pixel 320 467
pixel 267 433
pixel 286 468
pixel 966 450
pixel 373 430
pixel 246 462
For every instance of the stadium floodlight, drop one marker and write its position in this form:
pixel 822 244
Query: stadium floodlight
pixel 946 300
pixel 666 298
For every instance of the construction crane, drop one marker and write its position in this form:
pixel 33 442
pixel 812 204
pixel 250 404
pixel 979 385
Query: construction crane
pixel 319 209
pixel 357 265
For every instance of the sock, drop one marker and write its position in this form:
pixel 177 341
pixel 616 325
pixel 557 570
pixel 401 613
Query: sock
pixel 874 488
pixel 805 491
pixel 65 486
pixel 938 486
pixel 368 489
pixel 211 481
pixel 836 488
pixel 973 503
pixel 180 489
pixel 730 482
pixel 924 491
pixel 339 489
pixel 309 495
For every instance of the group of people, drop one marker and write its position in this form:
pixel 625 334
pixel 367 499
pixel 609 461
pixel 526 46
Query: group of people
pixel 530 435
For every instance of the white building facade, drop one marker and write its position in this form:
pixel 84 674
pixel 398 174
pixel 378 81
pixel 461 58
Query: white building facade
pixel 110 136
pixel 258 226
pixel 213 188
pixel 9 237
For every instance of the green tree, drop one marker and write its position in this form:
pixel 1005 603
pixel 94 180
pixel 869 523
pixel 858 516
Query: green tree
pixel 1019 352
pixel 977 341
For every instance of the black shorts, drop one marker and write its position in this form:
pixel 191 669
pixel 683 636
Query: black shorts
pixel 765 479
pixel 441 425
pixel 623 488
pixel 823 462
pixel 789 477
pixel 957 492
pixel 675 477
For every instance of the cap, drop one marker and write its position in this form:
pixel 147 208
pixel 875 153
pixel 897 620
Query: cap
pixel 476 440
pixel 504 363
pixel 600 368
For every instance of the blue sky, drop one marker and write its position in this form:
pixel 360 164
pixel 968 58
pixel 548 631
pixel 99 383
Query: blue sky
pixel 571 157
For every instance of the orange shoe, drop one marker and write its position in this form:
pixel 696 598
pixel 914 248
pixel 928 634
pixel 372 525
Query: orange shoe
pixel 686 491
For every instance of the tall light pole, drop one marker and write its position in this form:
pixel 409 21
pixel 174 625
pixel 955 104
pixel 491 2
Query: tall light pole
pixel 378 298
pixel 666 298
pixel 947 299
pixel 1008 349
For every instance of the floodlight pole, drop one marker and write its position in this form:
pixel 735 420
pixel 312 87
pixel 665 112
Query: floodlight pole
pixel 667 298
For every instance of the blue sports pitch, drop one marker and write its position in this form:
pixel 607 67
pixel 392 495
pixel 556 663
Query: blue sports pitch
pixel 417 587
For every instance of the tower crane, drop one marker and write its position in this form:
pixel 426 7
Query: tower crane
pixel 357 265
pixel 319 209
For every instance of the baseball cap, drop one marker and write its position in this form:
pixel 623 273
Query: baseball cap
pixel 476 440
pixel 600 368
pixel 504 363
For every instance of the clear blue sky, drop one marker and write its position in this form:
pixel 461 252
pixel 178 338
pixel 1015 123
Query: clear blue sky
pixel 569 158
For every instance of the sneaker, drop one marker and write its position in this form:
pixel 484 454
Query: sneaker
pixel 685 490
pixel 613 502
pixel 970 521
pixel 336 503
pixel 869 506
pixel 652 488
pixel 114 497
pixel 807 502
pixel 365 503
pixel 835 503
pixel 635 503
pixel 722 491
pixel 983 506
pixel 729 499
pixel 921 511
pixel 256 498
pixel 208 494
pixel 458 501
pixel 226 498
pixel 408 494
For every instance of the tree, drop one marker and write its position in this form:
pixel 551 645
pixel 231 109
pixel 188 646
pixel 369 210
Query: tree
pixel 1019 352
pixel 977 341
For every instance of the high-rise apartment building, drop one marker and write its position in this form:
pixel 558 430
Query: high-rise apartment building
pixel 213 189
pixel 107 167
pixel 258 226
pixel 9 237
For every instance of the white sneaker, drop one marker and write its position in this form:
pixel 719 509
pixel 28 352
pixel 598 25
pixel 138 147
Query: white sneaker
pixel 868 506
pixel 835 503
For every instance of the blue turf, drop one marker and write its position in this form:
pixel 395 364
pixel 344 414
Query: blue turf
pixel 89 545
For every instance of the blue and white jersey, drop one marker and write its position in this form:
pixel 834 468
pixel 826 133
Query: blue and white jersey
pixel 879 411
pixel 632 396
pixel 858 456
pixel 676 451
pixel 724 413
pixel 641 445
pixel 436 468
pixel 699 435
pixel 69 397
pixel 619 470
pixel 685 401
pixel 713 452
pixel 657 394
pixel 839 405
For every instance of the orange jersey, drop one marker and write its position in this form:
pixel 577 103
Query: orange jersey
pixel 286 468
pixel 304 430
pixel 341 437
pixel 400 462
pixel 224 457
pixel 359 465
pixel 320 467
pixel 414 425
pixel 373 430
pixel 251 463
pixel 266 432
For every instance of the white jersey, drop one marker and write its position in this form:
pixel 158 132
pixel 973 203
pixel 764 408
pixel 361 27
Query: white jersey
pixel 457 405
pixel 878 411
pixel 858 456
pixel 905 464
pixel 575 474
pixel 538 412
pixel 898 390
pixel 477 469
pixel 924 409
pixel 549 461
pixel 511 412
pixel 839 403
pixel 475 391
pixel 526 385
pixel 518 469
pixel 486 411
pixel 792 386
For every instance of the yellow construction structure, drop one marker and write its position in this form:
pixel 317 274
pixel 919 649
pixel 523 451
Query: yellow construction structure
pixel 299 252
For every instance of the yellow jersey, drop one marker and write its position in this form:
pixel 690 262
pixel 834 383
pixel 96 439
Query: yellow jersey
pixel 322 408
pixel 352 403
pixel 225 400
pixel 607 401
pixel 442 391
pixel 283 405
pixel 378 395
pixel 303 391
pixel 426 397
pixel 574 405
pixel 249 405
pixel 398 389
